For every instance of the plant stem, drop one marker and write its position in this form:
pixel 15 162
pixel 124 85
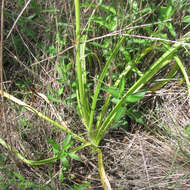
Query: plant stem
pixel 30 108
pixel 101 78
pixel 82 101
pixel 37 162
pixel 81 89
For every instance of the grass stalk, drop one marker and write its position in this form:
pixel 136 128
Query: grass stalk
pixel 101 78
pixel 81 97
pixel 178 61
pixel 37 162
pixel 30 108
pixel 81 91
pixel 86 108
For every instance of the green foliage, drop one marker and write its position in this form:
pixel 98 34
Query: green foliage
pixel 187 131
pixel 133 95
pixel 122 111
pixel 11 178
pixel 133 98
pixel 64 70
pixel 83 186
pixel 62 151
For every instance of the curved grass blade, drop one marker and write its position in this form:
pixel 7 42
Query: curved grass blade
pixel 172 72
pixel 96 93
pixel 38 162
pixel 128 67
pixel 178 61
pixel 159 64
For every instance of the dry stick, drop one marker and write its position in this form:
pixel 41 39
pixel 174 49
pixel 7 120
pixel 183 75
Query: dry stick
pixel 2 110
pixel 119 33
pixel 1 48
pixel 1 61
pixel 144 160
pixel 11 54
pixel 17 19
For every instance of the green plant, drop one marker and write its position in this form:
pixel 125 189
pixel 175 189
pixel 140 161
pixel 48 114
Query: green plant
pixel 98 131
pixel 61 152
pixel 118 98
pixel 81 186
pixel 64 81
pixel 11 177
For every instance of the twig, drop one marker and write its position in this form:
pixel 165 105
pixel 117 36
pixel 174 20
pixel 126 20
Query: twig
pixel 17 19
pixel 1 47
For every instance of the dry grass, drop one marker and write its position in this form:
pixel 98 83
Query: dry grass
pixel 144 162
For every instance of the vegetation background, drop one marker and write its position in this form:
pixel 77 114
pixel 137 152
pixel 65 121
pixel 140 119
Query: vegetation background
pixel 147 146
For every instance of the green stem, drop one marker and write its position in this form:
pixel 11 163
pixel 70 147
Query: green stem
pixel 172 72
pixel 101 78
pixel 82 101
pixel 81 98
pixel 178 61
pixel 103 177
pixel 37 162
pixel 30 162
pixel 30 108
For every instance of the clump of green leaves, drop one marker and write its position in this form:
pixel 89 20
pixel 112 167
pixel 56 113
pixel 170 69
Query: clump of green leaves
pixel 61 151
pixel 83 186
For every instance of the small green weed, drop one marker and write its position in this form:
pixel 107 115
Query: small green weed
pixel 61 151
pixel 10 178
pixel 83 186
